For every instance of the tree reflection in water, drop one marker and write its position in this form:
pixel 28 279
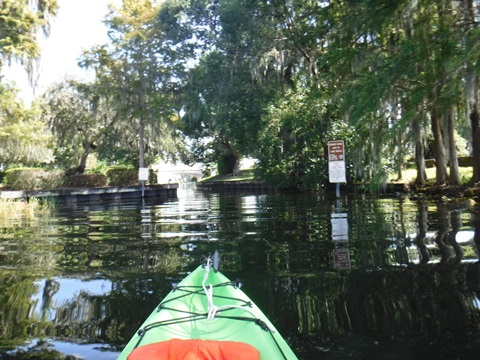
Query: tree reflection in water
pixel 90 274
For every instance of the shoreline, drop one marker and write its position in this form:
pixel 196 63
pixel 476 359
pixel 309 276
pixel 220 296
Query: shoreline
pixel 169 191
pixel 114 193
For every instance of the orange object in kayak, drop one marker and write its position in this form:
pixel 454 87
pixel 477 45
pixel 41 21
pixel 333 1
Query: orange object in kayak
pixel 195 349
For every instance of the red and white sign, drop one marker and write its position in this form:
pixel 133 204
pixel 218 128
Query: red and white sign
pixel 336 162
pixel 336 150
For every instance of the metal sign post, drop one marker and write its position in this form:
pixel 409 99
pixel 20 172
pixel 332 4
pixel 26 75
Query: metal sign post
pixel 339 219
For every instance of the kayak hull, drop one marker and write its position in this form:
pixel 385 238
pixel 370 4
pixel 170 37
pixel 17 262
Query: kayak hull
pixel 184 314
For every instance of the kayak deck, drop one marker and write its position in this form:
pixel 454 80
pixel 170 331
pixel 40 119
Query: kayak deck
pixel 206 305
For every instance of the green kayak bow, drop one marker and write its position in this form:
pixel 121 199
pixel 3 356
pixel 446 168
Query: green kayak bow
pixel 207 315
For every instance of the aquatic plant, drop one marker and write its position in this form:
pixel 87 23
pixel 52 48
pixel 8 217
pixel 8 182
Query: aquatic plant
pixel 14 210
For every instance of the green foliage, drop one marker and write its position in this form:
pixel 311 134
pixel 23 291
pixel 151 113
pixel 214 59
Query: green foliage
pixel 291 148
pixel 235 78
pixel 272 80
pixel 122 176
pixel 140 72
pixel 23 136
pixel 20 21
pixel 33 178
pixel 87 181
pixel 224 103
pixel 80 116
pixel 95 166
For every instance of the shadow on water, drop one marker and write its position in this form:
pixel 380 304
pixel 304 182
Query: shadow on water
pixel 349 279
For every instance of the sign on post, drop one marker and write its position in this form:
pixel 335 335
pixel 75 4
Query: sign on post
pixel 341 259
pixel 142 177
pixel 336 162
pixel 143 174
pixel 339 223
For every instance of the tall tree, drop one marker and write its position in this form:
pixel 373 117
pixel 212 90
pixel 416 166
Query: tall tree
pixel 23 137
pixel 246 63
pixel 80 116
pixel 291 145
pixel 395 53
pixel 20 21
pixel 139 70
pixel 470 25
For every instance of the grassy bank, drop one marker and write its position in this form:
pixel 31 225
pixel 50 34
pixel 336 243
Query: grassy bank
pixel 429 189
pixel 408 176
pixel 242 175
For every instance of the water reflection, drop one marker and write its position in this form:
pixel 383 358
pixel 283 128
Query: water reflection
pixel 404 276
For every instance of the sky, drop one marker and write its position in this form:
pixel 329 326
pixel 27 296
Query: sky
pixel 77 26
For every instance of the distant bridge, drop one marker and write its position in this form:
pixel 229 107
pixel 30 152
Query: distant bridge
pixel 169 173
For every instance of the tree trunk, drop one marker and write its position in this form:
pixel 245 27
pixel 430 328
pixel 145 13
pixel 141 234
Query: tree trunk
pixel 473 89
pixel 141 147
pixel 83 160
pixel 419 152
pixel 473 103
pixel 454 178
pixel 141 143
pixel 399 154
pixel 439 148
pixel 475 123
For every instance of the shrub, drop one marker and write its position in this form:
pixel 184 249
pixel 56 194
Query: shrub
pixel 465 161
pixel 87 180
pixel 32 178
pixel 52 179
pixel 122 176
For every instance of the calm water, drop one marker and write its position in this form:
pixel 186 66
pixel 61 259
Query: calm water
pixel 350 279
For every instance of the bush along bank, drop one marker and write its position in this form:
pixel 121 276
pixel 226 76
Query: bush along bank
pixel 37 178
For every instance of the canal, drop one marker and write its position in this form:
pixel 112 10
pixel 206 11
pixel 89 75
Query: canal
pixel 348 278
